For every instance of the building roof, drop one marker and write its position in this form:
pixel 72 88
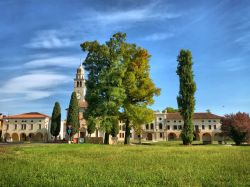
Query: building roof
pixel 30 115
pixel 82 104
pixel 200 115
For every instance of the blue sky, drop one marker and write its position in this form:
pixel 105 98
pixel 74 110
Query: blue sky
pixel 39 48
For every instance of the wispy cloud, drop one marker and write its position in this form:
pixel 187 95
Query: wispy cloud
pixel 50 39
pixel 33 85
pixel 158 36
pixel 234 64
pixel 58 61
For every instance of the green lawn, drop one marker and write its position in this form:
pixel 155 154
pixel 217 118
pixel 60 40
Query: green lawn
pixel 119 165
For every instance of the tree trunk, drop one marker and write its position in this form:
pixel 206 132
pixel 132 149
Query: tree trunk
pixel 127 133
pixel 106 139
pixel 140 139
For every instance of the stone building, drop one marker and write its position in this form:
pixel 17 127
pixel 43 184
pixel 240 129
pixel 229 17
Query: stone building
pixel 31 126
pixel 168 126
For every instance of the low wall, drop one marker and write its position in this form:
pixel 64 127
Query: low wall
pixel 94 140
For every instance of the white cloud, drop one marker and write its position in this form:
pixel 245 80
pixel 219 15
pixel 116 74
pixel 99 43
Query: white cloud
pixel 158 36
pixel 124 18
pixel 135 15
pixel 234 64
pixel 50 39
pixel 32 86
pixel 60 61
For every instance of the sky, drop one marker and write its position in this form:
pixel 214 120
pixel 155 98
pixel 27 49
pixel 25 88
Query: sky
pixel 40 48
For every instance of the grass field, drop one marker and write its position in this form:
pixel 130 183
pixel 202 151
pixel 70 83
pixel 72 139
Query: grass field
pixel 119 165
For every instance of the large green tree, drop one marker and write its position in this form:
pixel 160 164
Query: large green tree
pixel 73 115
pixel 139 88
pixel 118 80
pixel 56 120
pixel 186 99
pixel 105 92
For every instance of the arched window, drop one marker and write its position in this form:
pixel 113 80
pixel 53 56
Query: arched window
pixel 152 126
pixel 77 84
pixel 80 83
pixel 146 126
pixel 160 125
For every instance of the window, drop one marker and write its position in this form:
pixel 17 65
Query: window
pixel 202 120
pixel 175 121
pixel 160 125
pixel 40 120
pixel 209 121
pixel 124 127
pixel 120 127
pixel 24 126
pixel 214 126
pixel 168 121
pixel 31 121
pixel 196 127
pixel 214 120
pixel 175 127
pixel 160 119
pixel 203 127
pixel 31 127
pixel 179 121
pixel 161 135
pixel 180 127
pixel 152 126
pixel 147 126
pixel 122 135
pixel 40 126
pixel 210 127
pixel 15 120
pixel 15 126
pixel 168 127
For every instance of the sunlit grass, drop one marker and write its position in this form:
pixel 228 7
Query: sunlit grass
pixel 118 165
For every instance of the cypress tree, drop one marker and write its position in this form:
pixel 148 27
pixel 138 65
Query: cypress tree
pixel 56 120
pixel 73 114
pixel 186 99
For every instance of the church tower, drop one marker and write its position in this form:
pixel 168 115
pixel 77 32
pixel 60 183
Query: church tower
pixel 79 84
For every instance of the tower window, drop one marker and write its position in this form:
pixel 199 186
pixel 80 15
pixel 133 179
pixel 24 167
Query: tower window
pixel 77 84
pixel 80 83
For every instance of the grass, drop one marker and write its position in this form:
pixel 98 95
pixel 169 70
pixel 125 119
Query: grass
pixel 160 164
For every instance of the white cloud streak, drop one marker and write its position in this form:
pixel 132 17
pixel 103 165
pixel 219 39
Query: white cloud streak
pixel 33 85
pixel 49 39
pixel 59 61
pixel 158 36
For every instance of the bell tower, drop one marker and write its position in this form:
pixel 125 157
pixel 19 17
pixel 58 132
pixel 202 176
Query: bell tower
pixel 79 83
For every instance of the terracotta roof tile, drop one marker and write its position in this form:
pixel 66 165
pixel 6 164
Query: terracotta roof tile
pixel 30 115
pixel 199 115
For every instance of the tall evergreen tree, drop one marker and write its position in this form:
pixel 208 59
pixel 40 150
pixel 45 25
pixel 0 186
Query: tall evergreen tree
pixel 186 99
pixel 73 115
pixel 56 120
